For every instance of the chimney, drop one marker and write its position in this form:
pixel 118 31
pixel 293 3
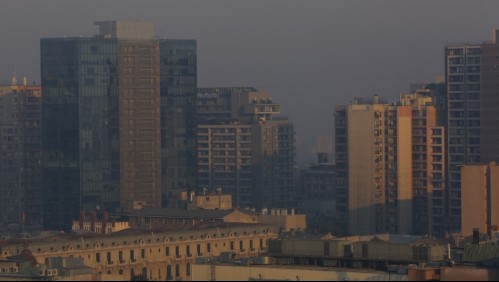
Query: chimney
pixel 82 218
pixel 92 223
pixel 104 222
pixel 476 236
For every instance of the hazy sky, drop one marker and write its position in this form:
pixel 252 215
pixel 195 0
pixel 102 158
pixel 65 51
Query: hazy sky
pixel 310 55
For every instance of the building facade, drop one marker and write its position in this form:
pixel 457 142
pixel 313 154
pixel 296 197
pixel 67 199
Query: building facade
pixel 178 82
pixel 319 181
pixel 463 75
pixel 489 99
pixel 428 163
pixel 155 255
pixel 244 149
pixel 20 157
pixel 480 191
pixel 121 108
pixel 389 166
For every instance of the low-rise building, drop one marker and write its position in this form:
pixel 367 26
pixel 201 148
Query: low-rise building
pixel 161 217
pixel 283 219
pixel 154 254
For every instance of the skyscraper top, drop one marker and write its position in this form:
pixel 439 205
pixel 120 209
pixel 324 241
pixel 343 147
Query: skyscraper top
pixel 126 29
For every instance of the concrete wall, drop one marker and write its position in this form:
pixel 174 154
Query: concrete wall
pixel 361 168
pixel 468 274
pixel 245 273
pixel 494 195
pixel 473 199
pixel 211 202
pixel 287 222
pixel 237 216
pixel 404 169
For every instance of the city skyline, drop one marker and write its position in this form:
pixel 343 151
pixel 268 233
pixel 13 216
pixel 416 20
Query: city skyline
pixel 186 140
pixel 311 57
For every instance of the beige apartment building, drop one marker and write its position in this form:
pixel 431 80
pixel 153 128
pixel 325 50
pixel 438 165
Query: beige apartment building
pixel 378 167
pixel 389 157
pixel 428 164
pixel 366 168
pixel 479 194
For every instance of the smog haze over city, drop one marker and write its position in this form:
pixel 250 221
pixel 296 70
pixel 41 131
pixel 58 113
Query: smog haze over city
pixel 310 55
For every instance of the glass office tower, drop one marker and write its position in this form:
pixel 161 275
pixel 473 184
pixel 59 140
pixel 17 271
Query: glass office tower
pixel 101 104
pixel 178 117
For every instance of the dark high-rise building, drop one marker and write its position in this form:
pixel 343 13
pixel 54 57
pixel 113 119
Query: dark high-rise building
pixel 178 116
pixel 120 109
pixel 20 157
pixel 489 104
pixel 462 76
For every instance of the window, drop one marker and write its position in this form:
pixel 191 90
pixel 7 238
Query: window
pixel 167 251
pixel 169 272
pixel 364 250
pixel 97 257
pixel 143 253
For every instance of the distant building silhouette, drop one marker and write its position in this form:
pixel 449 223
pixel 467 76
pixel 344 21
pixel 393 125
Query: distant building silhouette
pixel 20 157
pixel 489 101
pixel 244 149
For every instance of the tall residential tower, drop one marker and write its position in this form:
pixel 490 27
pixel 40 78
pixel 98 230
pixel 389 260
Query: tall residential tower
pixel 244 149
pixel 462 72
